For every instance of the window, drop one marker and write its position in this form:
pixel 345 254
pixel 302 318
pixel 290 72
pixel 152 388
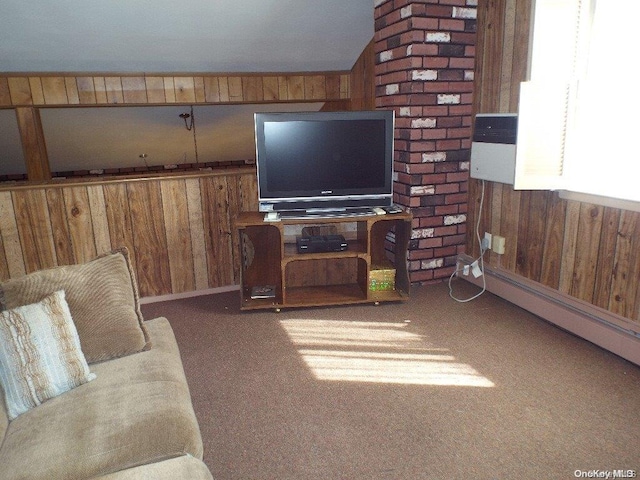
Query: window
pixel 577 127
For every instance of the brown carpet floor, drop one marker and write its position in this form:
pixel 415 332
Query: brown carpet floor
pixel 425 389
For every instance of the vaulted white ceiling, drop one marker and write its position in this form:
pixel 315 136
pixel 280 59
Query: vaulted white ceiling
pixel 183 36
pixel 128 36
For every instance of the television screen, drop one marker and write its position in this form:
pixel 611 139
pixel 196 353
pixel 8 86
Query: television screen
pixel 324 160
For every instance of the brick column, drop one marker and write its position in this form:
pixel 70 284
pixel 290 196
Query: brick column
pixel 424 71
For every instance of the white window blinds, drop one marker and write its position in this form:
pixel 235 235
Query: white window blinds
pixel 547 101
pixel 577 127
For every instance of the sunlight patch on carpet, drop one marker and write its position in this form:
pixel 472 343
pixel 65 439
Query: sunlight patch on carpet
pixel 381 352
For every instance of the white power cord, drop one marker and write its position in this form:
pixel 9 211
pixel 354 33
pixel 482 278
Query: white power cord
pixel 478 261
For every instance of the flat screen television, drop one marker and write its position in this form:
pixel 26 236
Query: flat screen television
pixel 311 162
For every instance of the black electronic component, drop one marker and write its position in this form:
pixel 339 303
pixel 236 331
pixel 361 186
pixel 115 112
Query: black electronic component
pixel 321 243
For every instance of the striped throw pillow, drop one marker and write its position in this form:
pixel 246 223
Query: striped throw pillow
pixel 40 354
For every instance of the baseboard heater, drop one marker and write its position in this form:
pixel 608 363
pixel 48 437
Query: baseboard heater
pixel 597 325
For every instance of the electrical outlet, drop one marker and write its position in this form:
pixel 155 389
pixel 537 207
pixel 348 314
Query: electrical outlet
pixel 476 270
pixel 498 244
pixel 486 241
pixel 463 267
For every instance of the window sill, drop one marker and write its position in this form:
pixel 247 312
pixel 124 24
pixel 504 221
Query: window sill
pixel 601 200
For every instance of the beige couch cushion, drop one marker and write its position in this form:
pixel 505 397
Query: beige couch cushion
pixel 103 299
pixel 137 411
pixel 185 467
pixel 40 355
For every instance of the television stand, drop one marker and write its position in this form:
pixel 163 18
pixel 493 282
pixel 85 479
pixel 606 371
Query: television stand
pixel 372 269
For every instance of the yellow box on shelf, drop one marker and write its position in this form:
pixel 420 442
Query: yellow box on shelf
pixel 382 278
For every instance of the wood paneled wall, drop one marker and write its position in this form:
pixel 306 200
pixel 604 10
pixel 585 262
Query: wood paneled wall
pixel 179 230
pixel 363 79
pixel 586 251
pixel 131 89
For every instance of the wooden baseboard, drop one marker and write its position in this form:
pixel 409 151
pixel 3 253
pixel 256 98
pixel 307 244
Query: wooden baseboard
pixel 197 293
pixel 599 326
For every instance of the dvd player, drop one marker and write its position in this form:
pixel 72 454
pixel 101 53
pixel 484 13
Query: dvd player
pixel 321 243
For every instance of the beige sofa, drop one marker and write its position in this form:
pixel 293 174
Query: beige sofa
pixel 134 420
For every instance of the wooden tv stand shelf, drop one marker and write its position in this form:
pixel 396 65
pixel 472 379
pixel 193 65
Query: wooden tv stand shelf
pixel 269 257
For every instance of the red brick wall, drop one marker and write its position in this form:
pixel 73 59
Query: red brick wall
pixel 424 70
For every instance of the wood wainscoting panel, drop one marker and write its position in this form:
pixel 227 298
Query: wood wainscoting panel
pixel 606 257
pixel 60 226
pixel 570 238
pixel 243 197
pixel 178 229
pixel 234 203
pixel 218 232
pixel 13 255
pixel 81 232
pixel 149 239
pixel 625 294
pixel 552 253
pixel 197 235
pixel 99 218
pixel 34 229
pixel 587 247
pixel 175 209
pixel 116 204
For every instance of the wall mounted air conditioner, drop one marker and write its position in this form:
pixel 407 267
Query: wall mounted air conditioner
pixel 493 148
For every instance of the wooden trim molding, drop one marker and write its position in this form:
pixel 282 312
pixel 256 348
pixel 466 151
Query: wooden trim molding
pixel 33 144
pixel 58 182
pixel 68 89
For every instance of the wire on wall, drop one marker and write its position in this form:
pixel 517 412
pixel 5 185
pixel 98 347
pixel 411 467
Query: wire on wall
pixel 190 124
pixel 478 261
